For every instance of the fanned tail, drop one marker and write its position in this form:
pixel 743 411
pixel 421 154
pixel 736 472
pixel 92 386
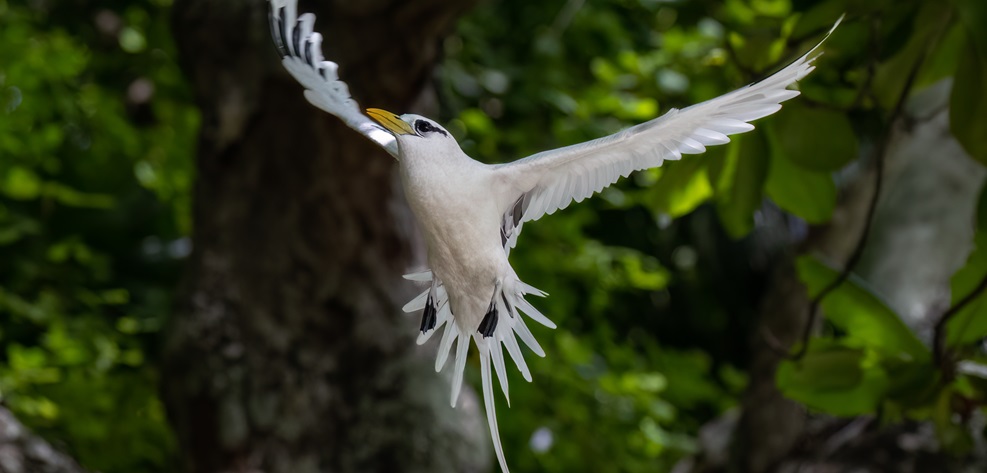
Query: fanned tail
pixel 499 330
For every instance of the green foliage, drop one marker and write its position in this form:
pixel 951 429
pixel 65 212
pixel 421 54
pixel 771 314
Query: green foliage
pixel 740 174
pixel 968 118
pixel 807 194
pixel 95 181
pixel 81 297
pixel 970 323
pixel 836 379
pixel 524 77
pixel 968 104
pixel 877 358
pixel 886 368
pixel 865 319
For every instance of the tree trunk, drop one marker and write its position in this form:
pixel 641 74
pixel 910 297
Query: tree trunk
pixel 288 353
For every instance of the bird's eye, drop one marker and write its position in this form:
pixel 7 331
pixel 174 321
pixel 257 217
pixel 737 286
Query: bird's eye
pixel 424 126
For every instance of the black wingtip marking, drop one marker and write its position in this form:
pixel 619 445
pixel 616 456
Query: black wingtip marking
pixel 489 323
pixel 296 38
pixel 428 316
pixel 308 53
pixel 283 27
pixel 272 22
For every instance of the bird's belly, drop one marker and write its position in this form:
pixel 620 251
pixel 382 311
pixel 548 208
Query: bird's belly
pixel 461 226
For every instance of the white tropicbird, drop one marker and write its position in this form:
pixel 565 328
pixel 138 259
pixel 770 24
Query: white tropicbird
pixel 471 213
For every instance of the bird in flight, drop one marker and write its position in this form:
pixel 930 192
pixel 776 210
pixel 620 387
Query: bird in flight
pixel 471 213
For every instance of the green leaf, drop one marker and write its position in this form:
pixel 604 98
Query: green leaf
pixel 17 228
pixel 968 102
pixel 683 185
pixel 942 62
pixel 71 197
pixel 833 379
pixel 867 321
pixel 816 139
pixel 973 15
pixel 969 325
pixel 739 173
pixel 820 17
pixel 927 25
pixel 757 50
pixel 954 436
pixel 913 384
pixel 808 194
pixel 21 183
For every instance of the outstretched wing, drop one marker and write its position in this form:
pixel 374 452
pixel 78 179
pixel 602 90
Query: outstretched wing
pixel 545 182
pixel 301 52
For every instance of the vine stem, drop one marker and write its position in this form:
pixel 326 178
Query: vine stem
pixel 938 345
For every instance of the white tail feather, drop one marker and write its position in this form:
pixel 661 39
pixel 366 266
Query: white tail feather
pixel 419 276
pixel 515 351
pixel 416 304
pixel 462 347
pixel 449 336
pixel 534 313
pixel 488 405
pixel 522 331
pixel 497 355
pixel 509 326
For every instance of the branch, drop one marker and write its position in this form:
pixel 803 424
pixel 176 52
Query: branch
pixel 938 345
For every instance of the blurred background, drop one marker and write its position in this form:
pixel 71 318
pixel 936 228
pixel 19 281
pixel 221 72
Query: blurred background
pixel 200 272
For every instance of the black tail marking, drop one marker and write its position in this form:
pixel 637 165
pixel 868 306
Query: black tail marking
pixel 428 316
pixel 507 304
pixel 489 322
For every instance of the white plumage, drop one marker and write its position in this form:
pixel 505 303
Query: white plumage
pixel 471 213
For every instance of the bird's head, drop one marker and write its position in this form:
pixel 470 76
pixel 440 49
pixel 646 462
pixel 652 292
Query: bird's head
pixel 416 134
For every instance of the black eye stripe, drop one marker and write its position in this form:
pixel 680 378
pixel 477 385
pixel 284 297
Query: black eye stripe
pixel 423 126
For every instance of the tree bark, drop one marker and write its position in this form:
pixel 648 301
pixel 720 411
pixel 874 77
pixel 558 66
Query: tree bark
pixel 288 353
pixel 23 452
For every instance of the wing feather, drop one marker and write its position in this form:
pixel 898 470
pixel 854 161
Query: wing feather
pixel 551 180
pixel 301 54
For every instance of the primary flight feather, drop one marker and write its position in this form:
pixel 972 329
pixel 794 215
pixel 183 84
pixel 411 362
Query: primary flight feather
pixel 471 213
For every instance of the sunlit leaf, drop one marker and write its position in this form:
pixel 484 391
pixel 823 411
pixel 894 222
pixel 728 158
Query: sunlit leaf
pixel 833 379
pixel 21 183
pixel 682 187
pixel 867 321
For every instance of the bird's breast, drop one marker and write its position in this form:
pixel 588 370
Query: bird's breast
pixel 460 220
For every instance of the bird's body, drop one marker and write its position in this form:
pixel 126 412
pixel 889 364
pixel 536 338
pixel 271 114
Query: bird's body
pixel 460 223
pixel 471 213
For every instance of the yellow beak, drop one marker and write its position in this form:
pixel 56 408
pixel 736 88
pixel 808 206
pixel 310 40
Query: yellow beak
pixel 390 121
